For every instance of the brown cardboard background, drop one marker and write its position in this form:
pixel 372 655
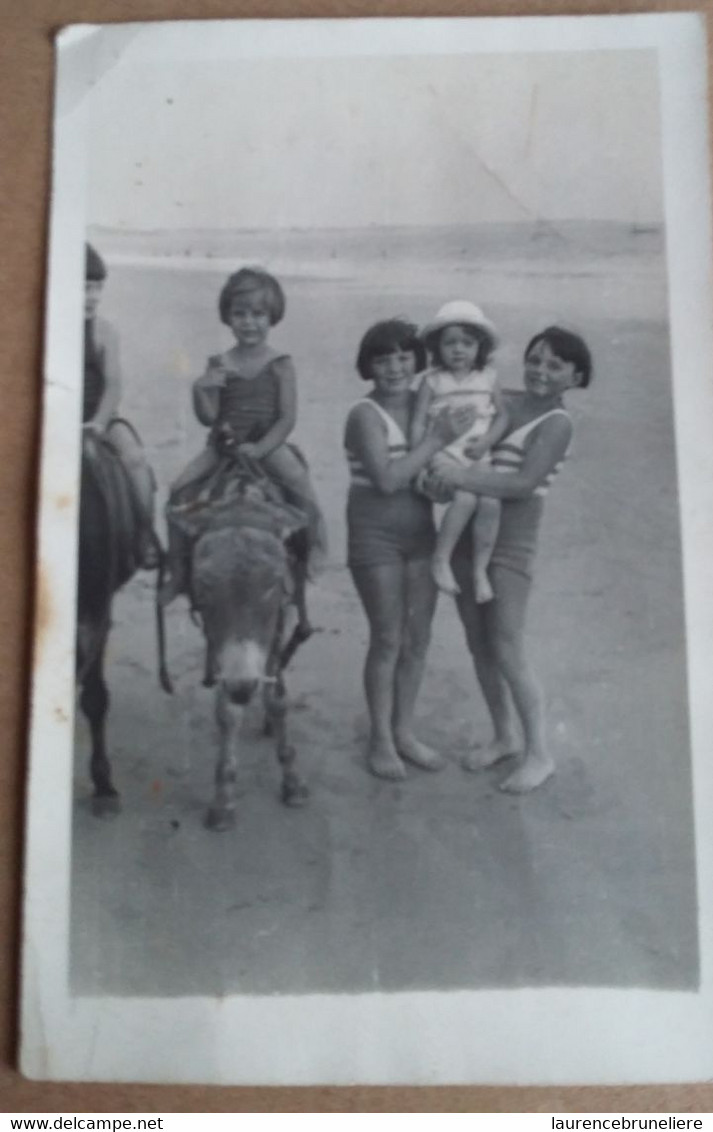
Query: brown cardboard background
pixel 25 119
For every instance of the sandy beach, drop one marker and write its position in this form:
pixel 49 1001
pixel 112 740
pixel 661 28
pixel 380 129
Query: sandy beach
pixel 441 881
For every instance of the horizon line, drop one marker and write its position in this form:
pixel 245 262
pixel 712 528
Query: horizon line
pixel 540 221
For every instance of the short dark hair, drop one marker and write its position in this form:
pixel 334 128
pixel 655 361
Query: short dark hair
pixel 94 266
pixel 486 344
pixel 386 338
pixel 250 279
pixel 569 347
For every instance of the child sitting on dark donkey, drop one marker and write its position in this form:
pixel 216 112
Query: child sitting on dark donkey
pixel 248 398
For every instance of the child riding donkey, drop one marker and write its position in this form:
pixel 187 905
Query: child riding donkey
pixel 247 397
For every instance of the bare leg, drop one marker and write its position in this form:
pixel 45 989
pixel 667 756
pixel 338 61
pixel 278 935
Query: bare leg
pixel 486 525
pixel 179 544
pixel 478 622
pixel 421 597
pixel 381 589
pixel 285 467
pixel 452 526
pixel 229 715
pixel 133 457
pixel 197 470
pixel 134 460
pixel 512 591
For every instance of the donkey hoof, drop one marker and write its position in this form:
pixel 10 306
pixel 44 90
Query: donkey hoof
pixel 295 792
pixel 106 805
pixel 218 818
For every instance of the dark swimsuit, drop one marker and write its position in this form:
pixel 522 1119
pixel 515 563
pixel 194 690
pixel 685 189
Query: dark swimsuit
pixel 386 529
pixel 250 406
pixel 520 519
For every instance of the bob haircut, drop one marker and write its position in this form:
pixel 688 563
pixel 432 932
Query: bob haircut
pixel 486 344
pixel 386 338
pixel 94 266
pixel 246 282
pixel 567 346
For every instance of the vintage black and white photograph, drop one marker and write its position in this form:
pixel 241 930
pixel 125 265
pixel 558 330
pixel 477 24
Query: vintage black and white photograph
pixel 380 454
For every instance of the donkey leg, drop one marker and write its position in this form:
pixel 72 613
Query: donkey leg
pixel 303 629
pixel 300 576
pixel 94 702
pixel 294 791
pixel 209 668
pixel 229 715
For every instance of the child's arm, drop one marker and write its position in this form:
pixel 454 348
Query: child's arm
pixel 108 341
pixel 287 416
pixel 365 437
pixel 419 421
pixel 499 427
pixel 543 455
pixel 206 391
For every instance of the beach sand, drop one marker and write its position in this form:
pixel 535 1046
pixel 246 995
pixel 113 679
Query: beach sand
pixel 440 881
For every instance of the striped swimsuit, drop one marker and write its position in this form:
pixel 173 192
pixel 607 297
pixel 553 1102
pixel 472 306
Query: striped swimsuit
pixel 520 518
pixel 508 455
pixel 385 529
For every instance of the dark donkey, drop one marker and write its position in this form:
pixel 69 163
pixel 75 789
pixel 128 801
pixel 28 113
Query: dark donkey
pixel 247 582
pixel 109 531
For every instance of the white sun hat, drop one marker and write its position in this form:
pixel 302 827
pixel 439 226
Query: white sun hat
pixel 460 312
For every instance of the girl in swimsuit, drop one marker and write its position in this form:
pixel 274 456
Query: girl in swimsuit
pixel 248 398
pixel 532 453
pixel 391 537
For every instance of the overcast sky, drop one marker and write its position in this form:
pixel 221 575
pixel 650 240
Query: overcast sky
pixel 348 142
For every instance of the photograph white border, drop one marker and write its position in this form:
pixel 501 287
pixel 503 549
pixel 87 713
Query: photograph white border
pixel 544 1036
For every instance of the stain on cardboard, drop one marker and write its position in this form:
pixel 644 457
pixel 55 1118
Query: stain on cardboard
pixel 44 613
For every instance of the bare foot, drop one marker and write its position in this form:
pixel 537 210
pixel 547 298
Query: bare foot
pixel 443 576
pixel 483 588
pixel 418 753
pixel 384 762
pixel 533 773
pixel 480 758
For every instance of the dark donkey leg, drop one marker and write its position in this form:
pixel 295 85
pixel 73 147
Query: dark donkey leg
pixel 301 632
pixel 294 791
pixel 94 702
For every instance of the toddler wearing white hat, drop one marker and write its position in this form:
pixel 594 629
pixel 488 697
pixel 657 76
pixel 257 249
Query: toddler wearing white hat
pixel 461 341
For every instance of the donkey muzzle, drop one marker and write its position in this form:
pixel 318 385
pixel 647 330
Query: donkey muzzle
pixel 241 691
pixel 241 669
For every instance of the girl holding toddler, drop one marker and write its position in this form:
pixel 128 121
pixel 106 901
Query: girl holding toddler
pixel 461 341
